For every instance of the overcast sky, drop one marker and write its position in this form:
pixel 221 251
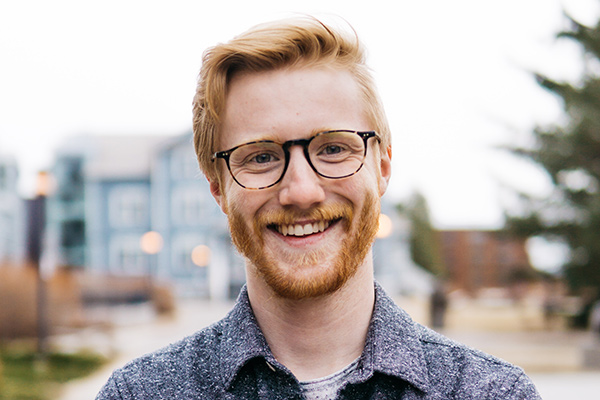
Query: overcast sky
pixel 455 78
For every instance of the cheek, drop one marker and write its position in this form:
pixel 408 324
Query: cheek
pixel 367 180
pixel 245 203
pixel 357 189
pixel 233 202
pixel 373 175
pixel 231 192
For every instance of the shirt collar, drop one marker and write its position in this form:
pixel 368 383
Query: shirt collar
pixel 242 339
pixel 393 346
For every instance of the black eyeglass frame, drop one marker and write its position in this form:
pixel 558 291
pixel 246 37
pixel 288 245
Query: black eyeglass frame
pixel 365 135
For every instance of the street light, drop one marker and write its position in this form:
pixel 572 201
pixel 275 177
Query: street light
pixel 385 227
pixel 36 222
pixel 201 255
pixel 151 243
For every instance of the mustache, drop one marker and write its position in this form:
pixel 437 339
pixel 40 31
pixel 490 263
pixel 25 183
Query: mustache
pixel 291 216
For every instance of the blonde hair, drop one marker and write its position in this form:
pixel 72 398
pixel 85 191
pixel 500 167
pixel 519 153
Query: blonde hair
pixel 300 42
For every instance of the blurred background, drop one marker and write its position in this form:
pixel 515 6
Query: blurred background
pixel 108 233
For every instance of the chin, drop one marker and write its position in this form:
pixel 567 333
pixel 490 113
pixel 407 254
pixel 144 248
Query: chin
pixel 296 273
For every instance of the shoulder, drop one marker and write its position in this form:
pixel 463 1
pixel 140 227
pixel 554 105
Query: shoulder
pixel 460 371
pixel 187 366
pixel 436 364
pixel 200 366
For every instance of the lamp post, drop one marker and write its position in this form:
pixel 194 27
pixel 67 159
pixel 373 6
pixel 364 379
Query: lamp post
pixel 212 278
pixel 151 244
pixel 36 221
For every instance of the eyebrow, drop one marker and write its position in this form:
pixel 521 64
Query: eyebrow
pixel 322 129
pixel 271 137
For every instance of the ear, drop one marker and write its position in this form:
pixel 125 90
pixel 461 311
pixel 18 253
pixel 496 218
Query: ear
pixel 215 190
pixel 385 167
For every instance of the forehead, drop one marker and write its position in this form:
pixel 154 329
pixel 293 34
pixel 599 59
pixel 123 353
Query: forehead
pixel 287 104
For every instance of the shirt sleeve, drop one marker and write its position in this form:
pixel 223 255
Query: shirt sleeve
pixel 523 389
pixel 110 390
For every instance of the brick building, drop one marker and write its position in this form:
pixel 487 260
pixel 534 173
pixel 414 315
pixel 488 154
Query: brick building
pixel 483 259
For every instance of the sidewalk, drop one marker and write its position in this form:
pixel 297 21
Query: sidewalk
pixel 552 359
pixel 141 335
pixel 583 385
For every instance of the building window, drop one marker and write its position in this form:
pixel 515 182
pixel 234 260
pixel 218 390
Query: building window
pixel 73 233
pixel 504 255
pixel 5 236
pixel 182 261
pixel 3 177
pixel 477 243
pixel 184 164
pixel 188 206
pixel 126 256
pixel 69 174
pixel 128 206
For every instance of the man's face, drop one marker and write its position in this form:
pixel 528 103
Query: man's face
pixel 333 221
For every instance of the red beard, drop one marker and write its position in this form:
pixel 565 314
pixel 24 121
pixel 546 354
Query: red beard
pixel 308 274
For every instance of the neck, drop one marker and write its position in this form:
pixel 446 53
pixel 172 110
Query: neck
pixel 318 336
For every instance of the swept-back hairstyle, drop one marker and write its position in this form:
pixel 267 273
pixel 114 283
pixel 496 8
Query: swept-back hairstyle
pixel 301 42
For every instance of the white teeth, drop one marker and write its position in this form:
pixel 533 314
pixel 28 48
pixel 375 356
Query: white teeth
pixel 303 230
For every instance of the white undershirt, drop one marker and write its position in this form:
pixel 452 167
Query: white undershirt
pixel 326 388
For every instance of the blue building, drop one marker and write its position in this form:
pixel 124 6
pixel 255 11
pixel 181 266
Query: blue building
pixel 101 203
pixel 113 190
pixel 197 257
pixel 392 262
pixel 65 216
pixel 12 218
pixel 118 205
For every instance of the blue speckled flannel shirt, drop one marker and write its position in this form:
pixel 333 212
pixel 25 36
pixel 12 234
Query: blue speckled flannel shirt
pixel 401 360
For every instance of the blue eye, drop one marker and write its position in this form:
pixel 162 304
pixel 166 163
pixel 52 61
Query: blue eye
pixel 263 158
pixel 332 149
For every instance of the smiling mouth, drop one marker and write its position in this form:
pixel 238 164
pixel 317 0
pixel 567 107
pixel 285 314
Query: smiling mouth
pixel 300 230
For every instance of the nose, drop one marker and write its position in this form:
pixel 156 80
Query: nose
pixel 300 186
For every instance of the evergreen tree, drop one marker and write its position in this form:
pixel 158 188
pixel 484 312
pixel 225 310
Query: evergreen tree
pixel 424 244
pixel 570 153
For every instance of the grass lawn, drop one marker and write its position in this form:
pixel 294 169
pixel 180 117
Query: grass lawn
pixel 23 376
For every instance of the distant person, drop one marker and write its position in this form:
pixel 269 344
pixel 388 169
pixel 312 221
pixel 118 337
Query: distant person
pixel 293 139
pixel 438 305
pixel 552 304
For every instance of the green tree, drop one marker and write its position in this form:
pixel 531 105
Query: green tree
pixel 570 154
pixel 424 244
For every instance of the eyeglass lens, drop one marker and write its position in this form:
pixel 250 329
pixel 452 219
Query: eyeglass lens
pixel 331 154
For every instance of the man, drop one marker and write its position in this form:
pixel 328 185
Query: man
pixel 292 137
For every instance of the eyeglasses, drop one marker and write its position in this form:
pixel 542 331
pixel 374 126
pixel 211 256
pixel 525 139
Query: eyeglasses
pixel 331 154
